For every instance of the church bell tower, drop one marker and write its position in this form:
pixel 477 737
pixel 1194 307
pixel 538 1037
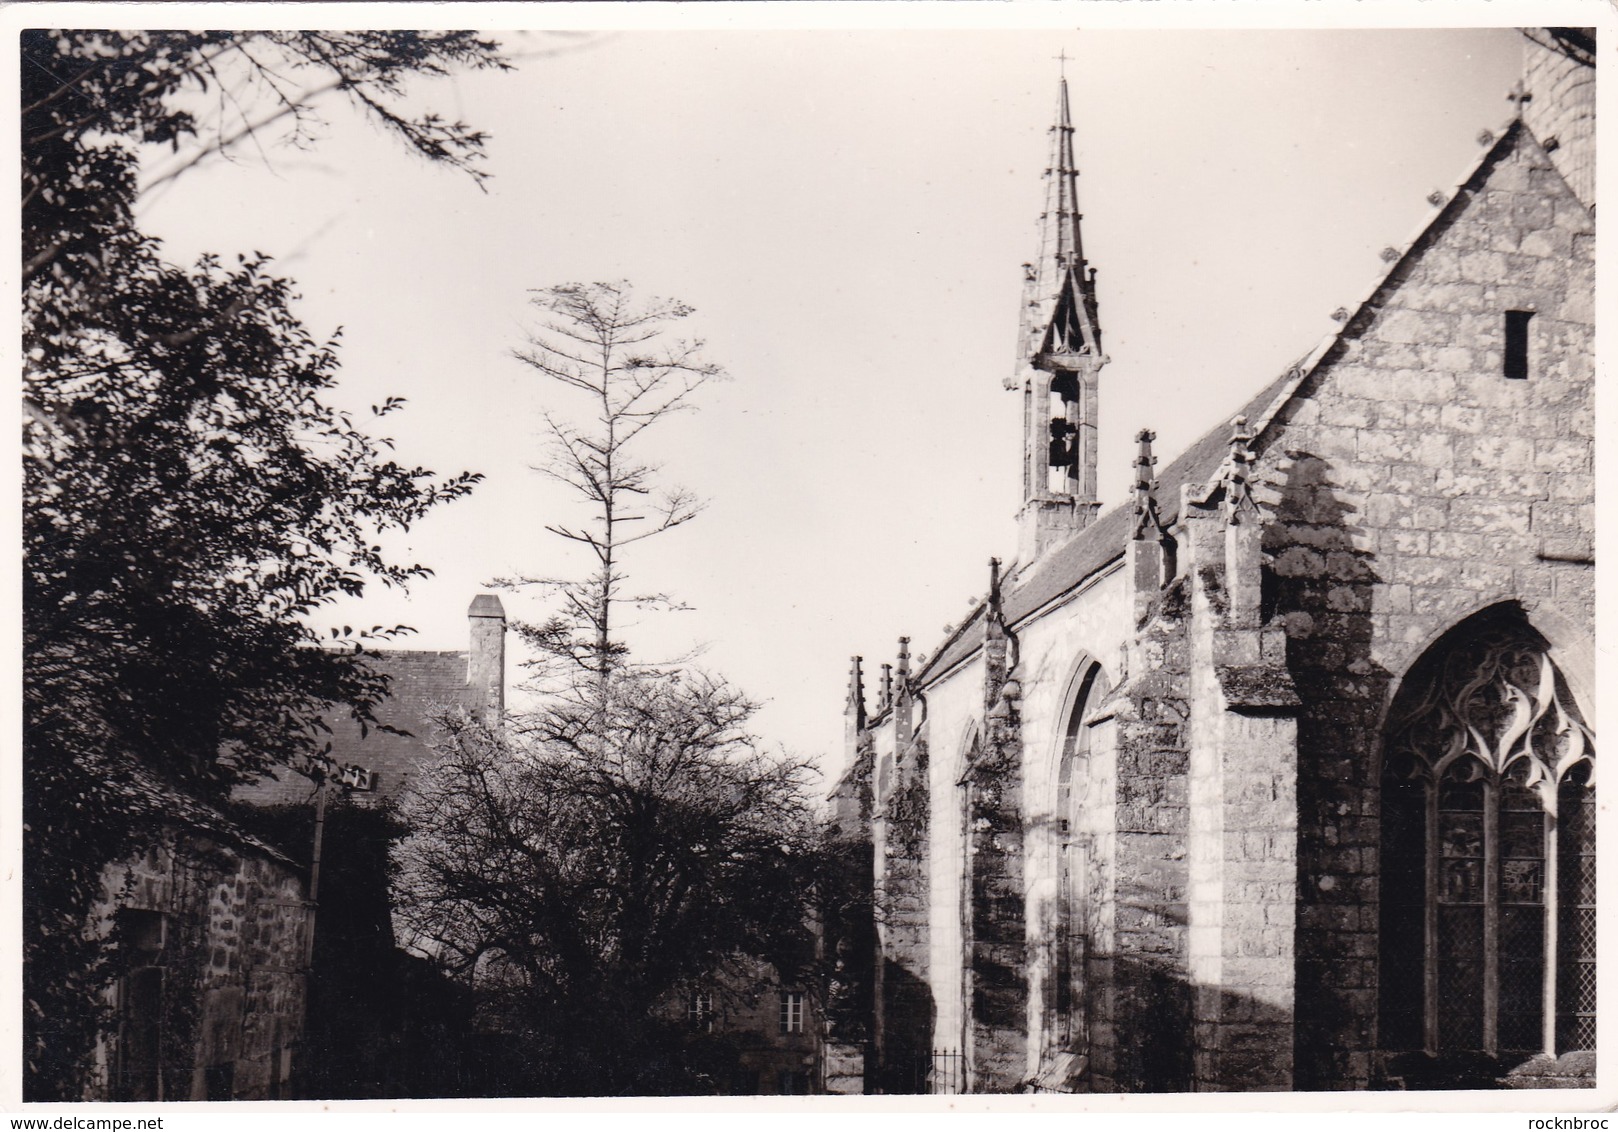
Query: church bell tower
pixel 1059 359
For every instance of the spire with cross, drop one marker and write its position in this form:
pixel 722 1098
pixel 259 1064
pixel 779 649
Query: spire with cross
pixel 1059 357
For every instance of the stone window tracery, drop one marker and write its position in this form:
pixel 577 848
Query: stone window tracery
pixel 1488 852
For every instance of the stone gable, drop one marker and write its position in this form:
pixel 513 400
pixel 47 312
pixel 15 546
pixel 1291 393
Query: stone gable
pixel 1195 901
pixel 1412 484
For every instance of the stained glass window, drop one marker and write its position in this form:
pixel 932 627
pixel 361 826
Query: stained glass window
pixel 1487 796
pixel 1576 920
pixel 1460 915
pixel 1521 912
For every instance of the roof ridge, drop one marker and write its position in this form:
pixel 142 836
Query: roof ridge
pixel 1305 366
pixel 1285 386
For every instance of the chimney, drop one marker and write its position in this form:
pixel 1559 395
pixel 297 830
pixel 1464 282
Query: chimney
pixel 486 659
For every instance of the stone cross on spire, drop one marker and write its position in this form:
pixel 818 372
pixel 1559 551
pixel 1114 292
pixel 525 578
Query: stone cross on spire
pixel 1519 97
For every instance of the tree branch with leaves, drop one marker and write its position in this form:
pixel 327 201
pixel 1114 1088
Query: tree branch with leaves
pixel 190 496
pixel 630 834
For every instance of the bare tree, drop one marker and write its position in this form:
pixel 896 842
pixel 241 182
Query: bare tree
pixel 578 871
pixel 629 833
pixel 617 351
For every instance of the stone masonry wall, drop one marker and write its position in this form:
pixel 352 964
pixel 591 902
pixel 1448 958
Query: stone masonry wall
pixel 1141 1031
pixel 953 721
pixel 847 918
pixel 1067 828
pixel 997 913
pixel 1413 484
pixel 1243 826
pixel 1562 108
pixel 908 1010
pixel 253 999
pixel 233 961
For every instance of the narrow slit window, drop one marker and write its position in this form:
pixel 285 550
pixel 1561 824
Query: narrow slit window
pixel 1517 344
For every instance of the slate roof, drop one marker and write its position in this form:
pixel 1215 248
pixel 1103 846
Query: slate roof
pixel 420 681
pixel 1100 544
pixel 143 791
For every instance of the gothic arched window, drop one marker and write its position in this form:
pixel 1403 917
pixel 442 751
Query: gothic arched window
pixel 1488 851
pixel 1067 968
pixel 967 787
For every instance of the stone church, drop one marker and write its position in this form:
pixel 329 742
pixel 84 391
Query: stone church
pixel 1280 773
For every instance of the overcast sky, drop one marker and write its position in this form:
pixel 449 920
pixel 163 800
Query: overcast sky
pixel 847 209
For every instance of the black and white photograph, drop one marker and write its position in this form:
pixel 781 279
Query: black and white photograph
pixel 968 553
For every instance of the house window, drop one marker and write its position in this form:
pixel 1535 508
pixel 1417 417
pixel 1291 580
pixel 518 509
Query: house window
pixel 700 1011
pixel 1488 852
pixel 791 1012
pixel 143 935
pixel 792 1083
pixel 1516 351
pixel 219 1082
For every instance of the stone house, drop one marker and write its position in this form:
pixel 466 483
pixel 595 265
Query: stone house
pixel 1278 775
pixel 379 1022
pixel 220 925
pixel 211 1002
pixel 769 1027
pixel 419 682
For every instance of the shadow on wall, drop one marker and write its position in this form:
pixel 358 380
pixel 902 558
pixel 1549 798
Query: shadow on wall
pixel 1320 587
pixel 1156 1002
pixel 1148 1029
pixel 907 1046
pixel 381 1024
pixel 848 937
pixel 1143 1022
